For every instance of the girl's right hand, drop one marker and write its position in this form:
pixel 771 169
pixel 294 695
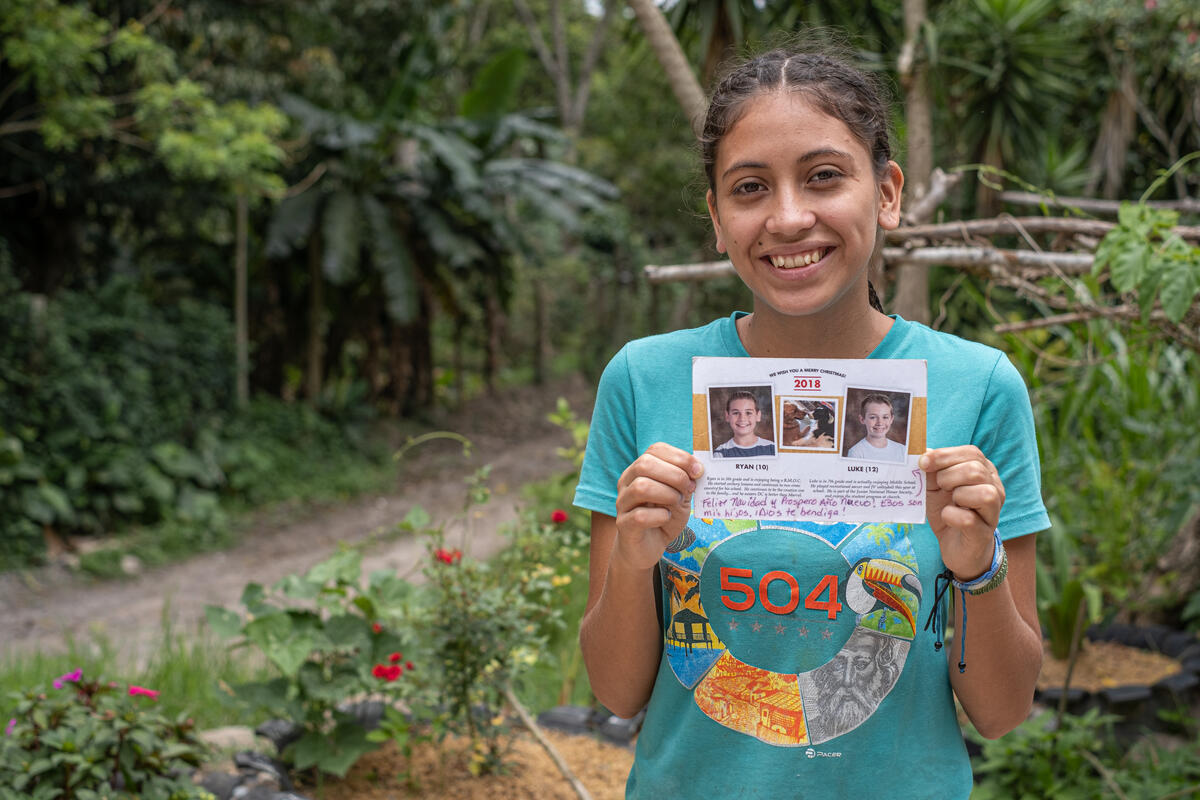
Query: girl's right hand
pixel 654 499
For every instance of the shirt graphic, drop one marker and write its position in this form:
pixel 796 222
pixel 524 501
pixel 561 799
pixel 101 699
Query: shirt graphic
pixel 790 632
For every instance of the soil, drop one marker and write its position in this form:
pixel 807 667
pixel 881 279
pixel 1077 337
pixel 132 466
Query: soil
pixel 530 774
pixel 1103 665
pixel 43 609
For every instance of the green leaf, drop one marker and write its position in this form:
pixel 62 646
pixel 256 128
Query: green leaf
pixel 342 232
pixel 292 223
pixel 495 86
pixel 1179 287
pixel 224 622
pixel 1129 264
pixel 342 567
pixel 348 631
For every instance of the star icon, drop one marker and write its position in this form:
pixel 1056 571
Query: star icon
pixel 779 628
pixel 827 634
pixel 803 631
pixel 733 625
pixel 756 627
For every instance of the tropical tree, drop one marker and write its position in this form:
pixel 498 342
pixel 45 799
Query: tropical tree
pixel 1005 67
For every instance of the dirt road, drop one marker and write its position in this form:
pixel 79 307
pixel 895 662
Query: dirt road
pixel 42 609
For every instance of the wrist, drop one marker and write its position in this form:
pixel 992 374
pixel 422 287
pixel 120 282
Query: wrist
pixel 990 578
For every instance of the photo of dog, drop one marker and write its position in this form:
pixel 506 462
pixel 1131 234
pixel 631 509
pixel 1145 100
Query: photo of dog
pixel 808 424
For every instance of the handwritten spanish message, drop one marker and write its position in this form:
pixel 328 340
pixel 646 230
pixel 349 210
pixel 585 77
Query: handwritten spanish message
pixel 833 440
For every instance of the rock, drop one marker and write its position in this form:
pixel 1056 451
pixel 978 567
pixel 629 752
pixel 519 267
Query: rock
pixel 131 565
pixel 220 784
pixel 231 737
pixel 280 732
pixel 258 765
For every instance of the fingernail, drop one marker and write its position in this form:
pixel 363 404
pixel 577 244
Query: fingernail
pixel 697 469
pixel 923 463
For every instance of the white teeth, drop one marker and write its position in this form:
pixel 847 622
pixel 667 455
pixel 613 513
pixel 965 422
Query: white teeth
pixel 800 260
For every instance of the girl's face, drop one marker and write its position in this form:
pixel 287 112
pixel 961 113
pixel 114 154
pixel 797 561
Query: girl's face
pixel 797 205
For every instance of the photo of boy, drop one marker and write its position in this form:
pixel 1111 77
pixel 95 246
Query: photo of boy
pixel 744 417
pixel 881 438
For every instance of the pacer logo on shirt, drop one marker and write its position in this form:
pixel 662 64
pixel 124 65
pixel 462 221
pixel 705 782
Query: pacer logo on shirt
pixel 790 632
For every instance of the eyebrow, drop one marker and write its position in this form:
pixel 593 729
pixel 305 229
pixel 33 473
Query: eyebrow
pixel 809 156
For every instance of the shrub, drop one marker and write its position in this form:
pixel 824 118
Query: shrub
pixel 93 740
pixel 332 640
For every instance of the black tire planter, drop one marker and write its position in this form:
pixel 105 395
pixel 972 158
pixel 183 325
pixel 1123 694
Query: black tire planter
pixel 1137 706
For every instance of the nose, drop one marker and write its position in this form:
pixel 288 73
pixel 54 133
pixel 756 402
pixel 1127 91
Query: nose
pixel 791 214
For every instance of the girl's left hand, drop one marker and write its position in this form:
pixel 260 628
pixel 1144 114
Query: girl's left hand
pixel 963 497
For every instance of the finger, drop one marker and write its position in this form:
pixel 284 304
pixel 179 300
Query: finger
pixel 944 457
pixel 985 500
pixel 967 520
pixel 649 467
pixel 968 473
pixel 680 458
pixel 644 490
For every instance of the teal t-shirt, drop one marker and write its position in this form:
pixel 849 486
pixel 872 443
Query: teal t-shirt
pixel 795 660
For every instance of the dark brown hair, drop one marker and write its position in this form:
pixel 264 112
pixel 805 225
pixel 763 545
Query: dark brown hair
pixel 838 88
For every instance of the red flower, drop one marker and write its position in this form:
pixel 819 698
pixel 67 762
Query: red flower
pixel 408 665
pixel 558 516
pixel 447 556
pixel 376 627
pixel 393 672
pixel 1151 5
pixel 394 657
pixel 379 670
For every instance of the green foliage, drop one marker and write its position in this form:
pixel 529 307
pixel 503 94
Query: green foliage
pixel 1143 255
pixel 1119 481
pixel 332 639
pixel 1067 600
pixel 1076 758
pixel 90 740
pixel 1044 758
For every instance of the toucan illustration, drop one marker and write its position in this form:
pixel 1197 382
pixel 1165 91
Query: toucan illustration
pixel 875 579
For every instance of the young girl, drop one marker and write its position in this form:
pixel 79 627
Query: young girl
pixel 746 701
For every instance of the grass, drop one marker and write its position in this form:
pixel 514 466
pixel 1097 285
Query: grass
pixel 188 671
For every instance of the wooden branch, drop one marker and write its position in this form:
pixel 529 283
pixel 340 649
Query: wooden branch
pixel 687 272
pixel 962 229
pixel 535 37
pixel 527 720
pixel 1093 205
pixel 1070 263
pixel 940 185
pixel 583 84
pixel 21 188
pixel 304 185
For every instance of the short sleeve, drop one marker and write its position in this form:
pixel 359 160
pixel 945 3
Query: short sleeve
pixel 1006 435
pixel 612 442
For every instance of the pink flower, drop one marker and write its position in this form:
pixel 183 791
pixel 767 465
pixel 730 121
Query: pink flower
pixel 1151 5
pixel 12 724
pixel 558 516
pixel 134 691
pixel 70 677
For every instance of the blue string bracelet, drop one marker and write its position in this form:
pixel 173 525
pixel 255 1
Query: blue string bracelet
pixel 984 583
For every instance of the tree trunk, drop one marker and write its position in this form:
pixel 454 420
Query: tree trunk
pixel 316 322
pixel 241 326
pixel 911 298
pixel 679 73
pixel 1117 129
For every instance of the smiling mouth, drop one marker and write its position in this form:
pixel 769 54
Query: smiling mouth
pixel 800 259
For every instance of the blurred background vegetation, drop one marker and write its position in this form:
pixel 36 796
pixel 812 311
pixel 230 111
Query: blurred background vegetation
pixel 235 235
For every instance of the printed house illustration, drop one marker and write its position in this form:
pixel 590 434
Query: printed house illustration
pixel 689 629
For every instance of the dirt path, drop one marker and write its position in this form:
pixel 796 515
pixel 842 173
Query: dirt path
pixel 41 610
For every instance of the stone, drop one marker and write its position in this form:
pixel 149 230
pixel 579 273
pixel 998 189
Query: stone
pixel 231 737
pixel 280 732
pixel 257 764
pixel 220 784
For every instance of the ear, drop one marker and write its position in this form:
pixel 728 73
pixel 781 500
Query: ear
pixel 716 221
pixel 890 189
